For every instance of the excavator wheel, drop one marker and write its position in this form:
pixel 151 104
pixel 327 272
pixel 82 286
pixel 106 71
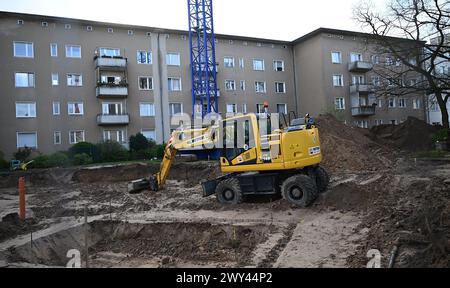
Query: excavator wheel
pixel 299 190
pixel 229 192
pixel 322 179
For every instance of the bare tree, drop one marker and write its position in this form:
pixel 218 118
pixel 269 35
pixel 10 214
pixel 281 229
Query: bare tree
pixel 412 39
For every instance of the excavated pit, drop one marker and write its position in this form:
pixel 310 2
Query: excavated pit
pixel 122 244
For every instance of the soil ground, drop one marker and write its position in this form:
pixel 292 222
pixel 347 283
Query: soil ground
pixel 378 198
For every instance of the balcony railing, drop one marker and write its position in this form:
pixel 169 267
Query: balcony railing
pixel 107 119
pixel 360 66
pixel 361 88
pixel 112 90
pixel 111 62
pixel 363 111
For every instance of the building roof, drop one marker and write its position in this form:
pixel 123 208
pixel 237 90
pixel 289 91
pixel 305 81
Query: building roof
pixel 184 32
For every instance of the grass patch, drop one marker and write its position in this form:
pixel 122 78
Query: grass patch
pixel 435 154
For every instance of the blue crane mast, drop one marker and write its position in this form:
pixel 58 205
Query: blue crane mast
pixel 203 58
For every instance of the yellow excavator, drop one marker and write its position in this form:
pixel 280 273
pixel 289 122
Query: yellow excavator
pixel 285 160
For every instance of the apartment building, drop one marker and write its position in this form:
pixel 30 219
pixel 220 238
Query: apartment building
pixel 442 69
pixel 66 81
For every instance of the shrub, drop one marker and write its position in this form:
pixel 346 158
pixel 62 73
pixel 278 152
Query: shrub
pixel 41 161
pixel 138 143
pixel 82 159
pixel 441 136
pixel 159 151
pixel 59 159
pixel 83 147
pixel 22 154
pixel 3 163
pixel 112 151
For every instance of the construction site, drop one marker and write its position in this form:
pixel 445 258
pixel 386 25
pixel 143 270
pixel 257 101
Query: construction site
pixel 379 197
pixel 260 179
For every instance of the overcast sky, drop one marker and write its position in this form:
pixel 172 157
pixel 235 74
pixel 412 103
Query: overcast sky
pixel 279 19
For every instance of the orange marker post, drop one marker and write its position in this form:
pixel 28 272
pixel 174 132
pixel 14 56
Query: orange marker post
pixel 22 198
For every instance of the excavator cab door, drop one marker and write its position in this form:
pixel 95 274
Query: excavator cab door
pixel 237 139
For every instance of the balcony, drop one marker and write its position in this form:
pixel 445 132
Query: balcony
pixel 105 119
pixel 112 90
pixel 360 67
pixel 361 88
pixel 111 62
pixel 363 111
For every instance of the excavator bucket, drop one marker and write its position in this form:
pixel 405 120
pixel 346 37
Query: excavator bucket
pixel 140 185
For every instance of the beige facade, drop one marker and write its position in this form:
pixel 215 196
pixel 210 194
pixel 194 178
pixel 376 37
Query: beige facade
pixel 95 98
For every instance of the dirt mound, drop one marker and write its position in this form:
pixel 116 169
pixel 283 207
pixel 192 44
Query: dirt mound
pixel 411 135
pixel 347 148
pixel 414 217
pixel 347 197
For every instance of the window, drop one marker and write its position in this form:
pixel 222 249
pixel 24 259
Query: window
pixel 25 109
pixel 391 82
pixel 278 65
pixel 57 138
pixel 354 57
pixel 23 49
pixel 231 108
pixel 107 79
pixel 378 122
pixel 89 28
pixel 416 103
pixel 20 22
pixel 376 81
pixel 402 103
pixel 339 103
pixel 282 108
pixel 362 124
pixel 76 137
pixel 144 57
pixel 54 50
pixel 258 65
pixel 55 79
pixel 398 62
pixel 228 62
pixel 380 103
pixel 280 87
pixel 434 107
pixel 338 80
pixel 109 52
pixel 145 83
pixel 149 134
pixel 74 80
pixel 73 51
pixel 75 108
pixel 241 63
pixel 147 109
pixel 24 79
pixel 173 59
pixel 389 61
pixel 336 57
pixel 27 139
pixel 230 85
pixel 242 85
pixel 112 108
pixel 114 135
pixel 56 108
pixel 391 102
pixel 260 87
pixel 110 30
pixel 244 108
pixel 260 108
pixel 175 109
pixel 358 80
pixel 68 26
pixel 394 122
pixel 375 59
pixel 174 84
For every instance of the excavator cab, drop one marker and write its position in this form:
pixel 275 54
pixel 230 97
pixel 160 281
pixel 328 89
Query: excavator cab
pixel 255 159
